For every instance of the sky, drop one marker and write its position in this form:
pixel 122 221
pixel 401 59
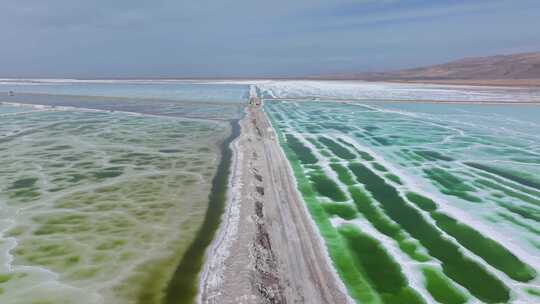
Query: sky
pixel 254 38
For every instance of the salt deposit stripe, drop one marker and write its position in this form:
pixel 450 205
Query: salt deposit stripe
pixel 461 269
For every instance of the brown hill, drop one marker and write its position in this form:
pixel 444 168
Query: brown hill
pixel 517 68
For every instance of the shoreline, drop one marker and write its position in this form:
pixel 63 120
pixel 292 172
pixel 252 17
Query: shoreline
pixel 465 102
pixel 532 83
pixel 182 287
pixel 218 250
pixel 522 83
pixel 268 248
pixel 313 225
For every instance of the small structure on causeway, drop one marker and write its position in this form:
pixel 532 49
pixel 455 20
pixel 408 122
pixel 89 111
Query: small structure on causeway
pixel 254 101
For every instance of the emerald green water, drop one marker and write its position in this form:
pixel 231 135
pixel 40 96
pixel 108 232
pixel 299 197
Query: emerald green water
pixel 392 185
pixel 183 286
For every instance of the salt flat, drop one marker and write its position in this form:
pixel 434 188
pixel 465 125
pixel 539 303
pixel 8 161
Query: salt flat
pixel 338 192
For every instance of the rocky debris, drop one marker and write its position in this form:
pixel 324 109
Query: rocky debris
pixel 266 280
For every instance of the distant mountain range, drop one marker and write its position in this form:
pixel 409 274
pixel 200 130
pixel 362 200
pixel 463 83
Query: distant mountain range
pixel 501 68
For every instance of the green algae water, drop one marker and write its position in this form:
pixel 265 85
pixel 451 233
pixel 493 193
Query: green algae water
pixel 111 199
pixel 183 286
pixel 420 203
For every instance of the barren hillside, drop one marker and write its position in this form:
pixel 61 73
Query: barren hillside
pixel 521 68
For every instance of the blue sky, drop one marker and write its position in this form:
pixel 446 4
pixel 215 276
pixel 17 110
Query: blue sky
pixel 168 38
